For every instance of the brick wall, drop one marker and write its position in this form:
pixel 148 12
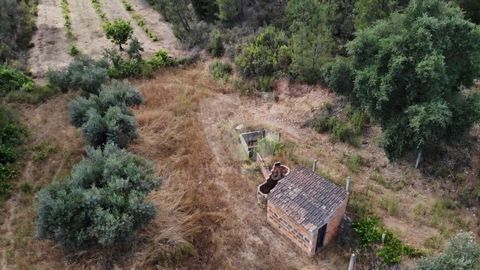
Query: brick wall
pixel 299 235
pixel 334 223
pixel 285 225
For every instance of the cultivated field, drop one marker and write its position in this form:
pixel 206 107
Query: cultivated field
pixel 51 43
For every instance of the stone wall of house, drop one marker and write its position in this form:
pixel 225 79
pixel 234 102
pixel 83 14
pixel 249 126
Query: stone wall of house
pixel 289 228
pixel 334 224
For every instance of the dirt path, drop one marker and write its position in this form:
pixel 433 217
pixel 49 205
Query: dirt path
pixel 50 42
pixel 158 25
pixel 86 25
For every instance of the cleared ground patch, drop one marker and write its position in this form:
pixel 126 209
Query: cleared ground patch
pixel 50 44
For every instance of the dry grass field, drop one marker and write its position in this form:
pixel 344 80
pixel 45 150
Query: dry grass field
pixel 208 217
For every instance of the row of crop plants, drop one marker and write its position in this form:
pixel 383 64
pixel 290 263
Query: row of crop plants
pixel 139 20
pixel 73 49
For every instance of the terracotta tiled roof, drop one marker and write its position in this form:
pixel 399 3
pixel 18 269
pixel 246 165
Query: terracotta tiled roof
pixel 307 197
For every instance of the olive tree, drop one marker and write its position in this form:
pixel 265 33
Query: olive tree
pixel 101 204
pixel 106 117
pixel 461 253
pixel 411 71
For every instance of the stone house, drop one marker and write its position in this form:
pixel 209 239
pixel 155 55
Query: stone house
pixel 307 209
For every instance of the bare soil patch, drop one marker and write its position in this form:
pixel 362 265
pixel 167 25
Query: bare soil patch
pixel 50 44
pixel 87 28
pixel 157 24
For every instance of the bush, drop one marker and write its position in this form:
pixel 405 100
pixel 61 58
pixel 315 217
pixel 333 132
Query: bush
pixel 101 204
pixel 220 70
pixel 73 50
pixel 106 117
pixel 355 162
pixel 83 73
pixel 339 77
pixel 462 253
pixel 12 135
pixel 215 44
pixel 265 83
pixel 369 231
pixel 260 56
pixel 13 80
pixel 160 59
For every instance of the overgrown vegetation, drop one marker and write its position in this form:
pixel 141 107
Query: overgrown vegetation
pixel 220 70
pixel 373 236
pixel 15 86
pixel 17 25
pixel 12 135
pixel 345 128
pixel 101 204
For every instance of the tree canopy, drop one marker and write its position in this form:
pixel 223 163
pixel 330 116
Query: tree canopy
pixel 410 70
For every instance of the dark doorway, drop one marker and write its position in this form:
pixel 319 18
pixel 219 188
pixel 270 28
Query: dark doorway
pixel 321 236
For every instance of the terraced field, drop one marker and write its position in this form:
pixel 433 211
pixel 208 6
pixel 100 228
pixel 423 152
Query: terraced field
pixel 51 43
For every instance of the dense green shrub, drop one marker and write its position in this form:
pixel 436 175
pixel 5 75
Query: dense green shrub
pixel 339 77
pixel 259 57
pixel 106 117
pixel 412 84
pixel 101 204
pixel 160 59
pixel 83 73
pixel 370 231
pixel 228 10
pixel 215 44
pixel 220 70
pixel 119 32
pixel 461 253
pixel 12 135
pixel 13 80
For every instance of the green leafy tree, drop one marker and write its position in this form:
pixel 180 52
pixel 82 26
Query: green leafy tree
pixel 106 117
pixel 462 253
pixel 310 43
pixel 409 72
pixel 369 11
pixel 260 56
pixel 339 76
pixel 119 32
pixel 340 20
pixel 102 203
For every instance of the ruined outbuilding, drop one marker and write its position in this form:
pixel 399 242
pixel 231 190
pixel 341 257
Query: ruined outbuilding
pixel 306 208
